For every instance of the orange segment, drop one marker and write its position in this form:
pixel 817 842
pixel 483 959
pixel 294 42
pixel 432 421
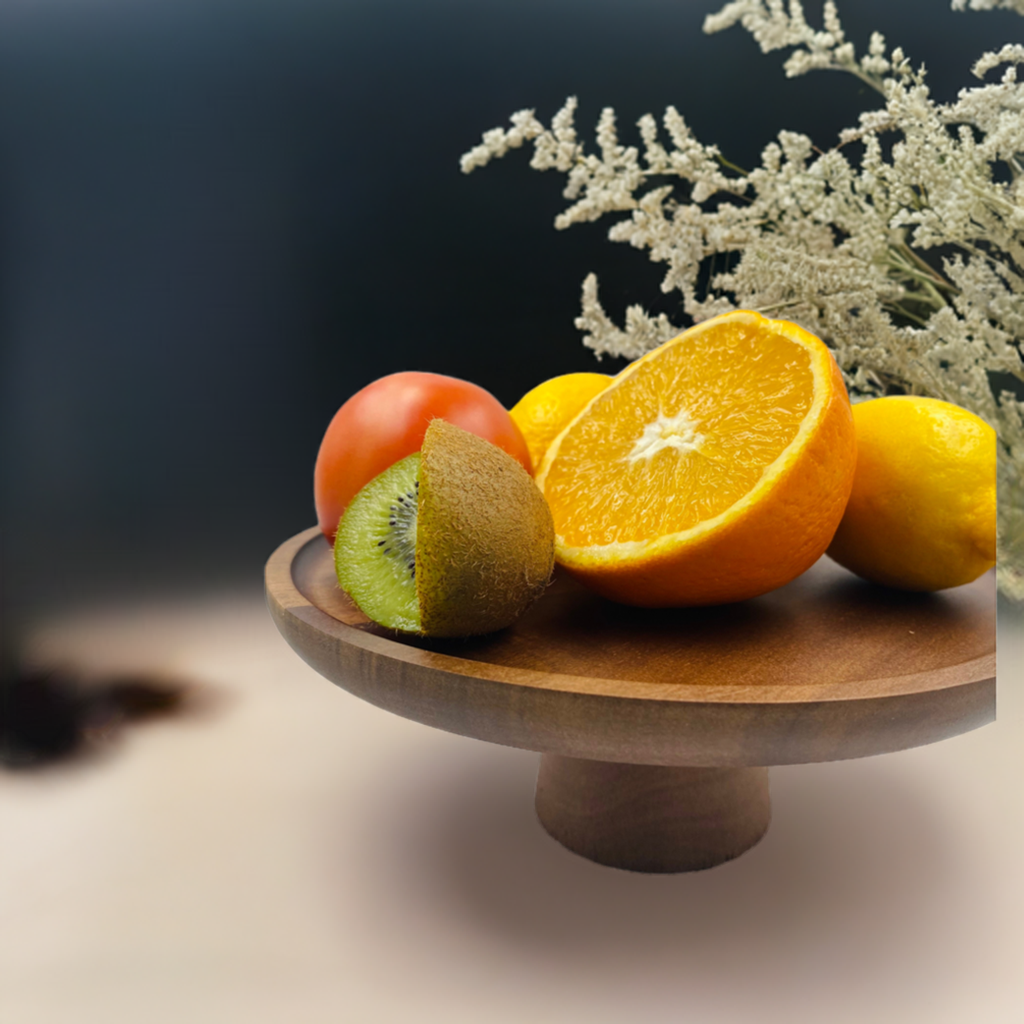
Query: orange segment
pixel 714 468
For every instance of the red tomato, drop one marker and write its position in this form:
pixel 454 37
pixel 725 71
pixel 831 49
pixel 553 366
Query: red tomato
pixel 387 420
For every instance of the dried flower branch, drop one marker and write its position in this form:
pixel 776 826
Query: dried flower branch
pixel 989 5
pixel 832 241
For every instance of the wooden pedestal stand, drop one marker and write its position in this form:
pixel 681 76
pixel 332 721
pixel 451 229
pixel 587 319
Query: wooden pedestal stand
pixel 657 726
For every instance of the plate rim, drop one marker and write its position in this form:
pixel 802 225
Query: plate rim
pixel 283 591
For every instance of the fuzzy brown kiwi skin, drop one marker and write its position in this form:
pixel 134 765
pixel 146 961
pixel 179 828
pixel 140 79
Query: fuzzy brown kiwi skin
pixel 485 537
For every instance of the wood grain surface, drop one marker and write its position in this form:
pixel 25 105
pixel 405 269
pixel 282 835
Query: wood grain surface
pixel 828 667
pixel 652 818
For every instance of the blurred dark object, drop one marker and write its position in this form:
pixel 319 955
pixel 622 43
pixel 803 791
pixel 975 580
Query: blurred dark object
pixel 51 715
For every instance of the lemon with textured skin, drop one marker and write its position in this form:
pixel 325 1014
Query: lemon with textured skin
pixel 922 513
pixel 542 413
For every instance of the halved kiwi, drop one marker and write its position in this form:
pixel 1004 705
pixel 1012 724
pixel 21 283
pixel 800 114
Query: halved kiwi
pixel 455 540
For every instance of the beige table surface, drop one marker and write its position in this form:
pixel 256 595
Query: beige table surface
pixel 287 853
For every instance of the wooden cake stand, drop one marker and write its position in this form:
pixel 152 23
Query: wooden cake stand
pixel 656 727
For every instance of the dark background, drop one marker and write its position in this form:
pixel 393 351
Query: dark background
pixel 220 218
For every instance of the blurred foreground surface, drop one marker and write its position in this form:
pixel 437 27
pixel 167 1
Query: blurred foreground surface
pixel 282 851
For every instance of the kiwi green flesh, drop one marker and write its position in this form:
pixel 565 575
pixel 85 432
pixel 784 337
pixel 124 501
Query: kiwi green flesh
pixel 375 547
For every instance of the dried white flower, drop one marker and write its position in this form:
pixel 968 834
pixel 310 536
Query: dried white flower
pixel 497 142
pixel 989 5
pixel 831 240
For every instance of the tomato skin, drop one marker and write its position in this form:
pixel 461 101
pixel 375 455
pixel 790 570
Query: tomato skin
pixel 386 422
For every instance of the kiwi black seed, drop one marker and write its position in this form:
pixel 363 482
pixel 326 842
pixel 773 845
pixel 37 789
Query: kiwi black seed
pixel 453 541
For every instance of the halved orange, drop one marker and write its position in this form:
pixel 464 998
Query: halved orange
pixel 713 469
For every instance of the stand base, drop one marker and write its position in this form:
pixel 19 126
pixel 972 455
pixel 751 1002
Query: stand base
pixel 651 817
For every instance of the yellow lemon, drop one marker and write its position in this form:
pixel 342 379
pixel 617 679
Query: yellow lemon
pixel 922 513
pixel 542 414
